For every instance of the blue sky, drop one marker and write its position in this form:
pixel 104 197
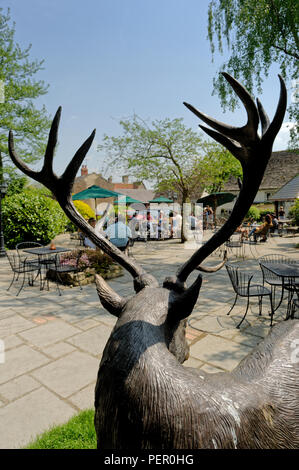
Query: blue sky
pixel 108 59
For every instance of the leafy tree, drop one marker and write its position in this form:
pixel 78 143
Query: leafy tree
pixel 222 166
pixel 17 111
pixel 166 152
pixel 258 33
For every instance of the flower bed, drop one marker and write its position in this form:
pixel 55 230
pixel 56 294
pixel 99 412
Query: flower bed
pixel 91 262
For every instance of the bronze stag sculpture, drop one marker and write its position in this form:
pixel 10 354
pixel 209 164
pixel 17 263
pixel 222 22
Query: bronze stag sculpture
pixel 145 398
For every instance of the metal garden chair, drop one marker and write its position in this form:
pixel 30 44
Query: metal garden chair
pixel 44 261
pixel 293 302
pixel 269 277
pixel 235 243
pixel 19 265
pixel 243 287
pixel 62 265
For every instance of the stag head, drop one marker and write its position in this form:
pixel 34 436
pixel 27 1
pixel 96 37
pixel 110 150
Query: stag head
pixel 167 307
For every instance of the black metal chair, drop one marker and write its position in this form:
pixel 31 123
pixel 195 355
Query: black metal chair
pixel 242 286
pixel 20 265
pixel 235 243
pixel 23 245
pixel 292 287
pixel 62 266
pixel 44 261
pixel 272 279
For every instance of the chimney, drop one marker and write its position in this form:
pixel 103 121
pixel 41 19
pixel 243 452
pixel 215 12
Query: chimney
pixel 84 170
pixel 125 179
pixel 110 179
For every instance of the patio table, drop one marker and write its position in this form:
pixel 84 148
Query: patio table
pixel 287 272
pixel 43 251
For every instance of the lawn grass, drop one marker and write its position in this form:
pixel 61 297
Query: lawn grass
pixel 77 433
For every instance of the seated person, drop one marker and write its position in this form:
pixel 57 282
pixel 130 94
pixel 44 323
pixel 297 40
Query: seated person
pixel 275 224
pixel 243 231
pixel 262 230
pixel 119 233
pixel 87 242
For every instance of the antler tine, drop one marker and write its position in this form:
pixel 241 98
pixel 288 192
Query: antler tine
pixel 255 154
pixel 18 162
pixel 252 114
pixel 46 176
pixel 61 187
pixel 72 169
pixel 214 269
pixel 265 121
pixel 231 146
pixel 275 125
pixel 245 134
pixel 52 141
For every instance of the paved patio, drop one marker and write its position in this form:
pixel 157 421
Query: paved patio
pixel 53 343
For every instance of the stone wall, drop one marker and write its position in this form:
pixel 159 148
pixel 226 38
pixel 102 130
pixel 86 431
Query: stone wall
pixel 85 277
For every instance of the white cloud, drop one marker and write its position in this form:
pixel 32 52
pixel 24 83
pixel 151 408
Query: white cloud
pixel 283 136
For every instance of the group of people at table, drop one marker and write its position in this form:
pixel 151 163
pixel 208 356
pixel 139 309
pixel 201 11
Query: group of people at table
pixel 270 224
pixel 122 228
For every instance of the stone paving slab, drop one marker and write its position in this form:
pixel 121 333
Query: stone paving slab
pixel 12 341
pixel 85 398
pixel 68 374
pixel 219 352
pixel 58 350
pixel 18 387
pixel 24 419
pixel 92 341
pixel 49 333
pixel 14 324
pixel 20 360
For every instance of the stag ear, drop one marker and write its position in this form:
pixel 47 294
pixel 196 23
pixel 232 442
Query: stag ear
pixel 181 304
pixel 110 300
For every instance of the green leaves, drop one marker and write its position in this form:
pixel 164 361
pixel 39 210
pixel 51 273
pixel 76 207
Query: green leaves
pixel 258 33
pixel 17 71
pixel 31 215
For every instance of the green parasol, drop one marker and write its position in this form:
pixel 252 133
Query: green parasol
pixel 161 199
pixel 94 192
pixel 126 200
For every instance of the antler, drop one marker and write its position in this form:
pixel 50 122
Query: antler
pixel 251 150
pixel 62 186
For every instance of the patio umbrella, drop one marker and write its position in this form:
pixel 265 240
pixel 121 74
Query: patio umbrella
pixel 161 199
pixel 216 199
pixel 94 192
pixel 126 200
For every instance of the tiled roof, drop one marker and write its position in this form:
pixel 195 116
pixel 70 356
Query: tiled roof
pixel 142 195
pixel 288 192
pixel 282 167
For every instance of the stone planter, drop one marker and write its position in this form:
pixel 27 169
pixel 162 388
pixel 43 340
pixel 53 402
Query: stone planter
pixel 85 277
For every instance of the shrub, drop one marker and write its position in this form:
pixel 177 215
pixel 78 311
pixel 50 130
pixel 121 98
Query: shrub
pixel 89 259
pixel 265 212
pixel 84 209
pixel 294 212
pixel 253 213
pixel 32 216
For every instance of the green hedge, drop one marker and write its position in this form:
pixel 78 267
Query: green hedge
pixel 32 216
pixel 253 213
pixel 294 212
